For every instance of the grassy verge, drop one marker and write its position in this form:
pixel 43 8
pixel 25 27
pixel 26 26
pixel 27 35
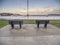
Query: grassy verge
pixel 29 21
pixel 3 23
pixel 56 23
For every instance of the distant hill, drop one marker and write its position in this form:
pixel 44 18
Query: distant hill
pixel 54 14
pixel 6 14
pixel 9 14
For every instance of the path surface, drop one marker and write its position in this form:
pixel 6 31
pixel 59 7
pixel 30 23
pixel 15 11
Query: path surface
pixel 30 35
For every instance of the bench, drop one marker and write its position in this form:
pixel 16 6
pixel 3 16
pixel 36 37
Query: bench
pixel 45 22
pixel 16 22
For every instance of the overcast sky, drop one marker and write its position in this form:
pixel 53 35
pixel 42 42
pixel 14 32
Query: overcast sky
pixel 35 6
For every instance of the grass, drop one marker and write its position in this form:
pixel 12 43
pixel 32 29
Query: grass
pixel 56 23
pixel 4 23
pixel 29 21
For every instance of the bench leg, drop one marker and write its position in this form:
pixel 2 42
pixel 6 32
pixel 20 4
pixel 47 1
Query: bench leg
pixel 45 25
pixel 37 22
pixel 12 25
pixel 20 25
pixel 38 25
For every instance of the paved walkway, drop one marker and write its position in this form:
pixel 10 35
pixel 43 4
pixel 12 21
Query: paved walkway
pixel 30 35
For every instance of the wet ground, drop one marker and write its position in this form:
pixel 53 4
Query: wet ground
pixel 30 35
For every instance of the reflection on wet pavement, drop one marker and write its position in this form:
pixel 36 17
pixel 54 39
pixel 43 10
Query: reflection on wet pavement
pixel 30 35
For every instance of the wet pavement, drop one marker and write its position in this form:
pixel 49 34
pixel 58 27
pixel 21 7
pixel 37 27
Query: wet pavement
pixel 30 35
